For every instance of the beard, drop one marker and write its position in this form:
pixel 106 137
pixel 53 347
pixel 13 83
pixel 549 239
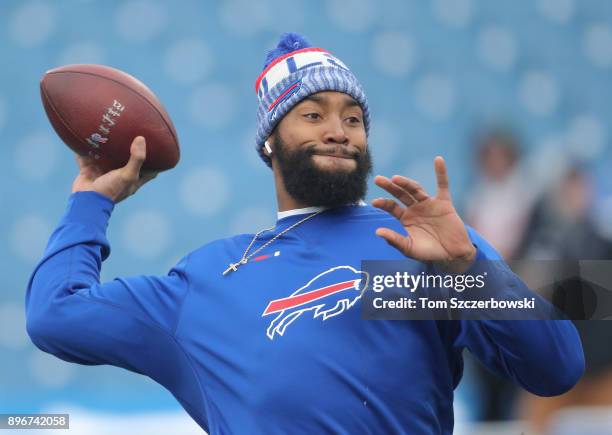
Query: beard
pixel 312 186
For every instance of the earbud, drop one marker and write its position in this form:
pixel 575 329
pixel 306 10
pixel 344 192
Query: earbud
pixel 267 146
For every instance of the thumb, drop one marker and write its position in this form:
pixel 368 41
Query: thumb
pixel 138 154
pixel 399 242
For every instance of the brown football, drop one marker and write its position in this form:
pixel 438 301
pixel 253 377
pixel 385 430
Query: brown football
pixel 97 111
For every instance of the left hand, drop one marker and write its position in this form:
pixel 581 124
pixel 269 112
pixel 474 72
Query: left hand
pixel 436 233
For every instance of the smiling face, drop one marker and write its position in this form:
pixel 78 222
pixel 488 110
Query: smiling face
pixel 320 151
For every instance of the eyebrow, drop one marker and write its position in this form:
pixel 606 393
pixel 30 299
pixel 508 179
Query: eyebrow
pixel 348 102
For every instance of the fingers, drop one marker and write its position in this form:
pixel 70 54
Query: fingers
pixel 82 160
pixel 399 242
pixel 411 186
pixel 87 166
pixel 404 187
pixel 138 154
pixel 442 178
pixel 390 206
pixel 145 177
pixel 394 189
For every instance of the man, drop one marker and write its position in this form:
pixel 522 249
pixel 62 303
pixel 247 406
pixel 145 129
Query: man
pixel 253 334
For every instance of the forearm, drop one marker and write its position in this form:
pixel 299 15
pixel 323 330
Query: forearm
pixel 74 253
pixel 543 356
pixel 65 297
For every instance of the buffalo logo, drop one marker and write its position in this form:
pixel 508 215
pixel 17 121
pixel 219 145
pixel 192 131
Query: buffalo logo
pixel 328 294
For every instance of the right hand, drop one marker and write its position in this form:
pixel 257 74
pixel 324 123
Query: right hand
pixel 117 184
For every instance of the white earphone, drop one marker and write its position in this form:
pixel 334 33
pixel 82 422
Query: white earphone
pixel 267 146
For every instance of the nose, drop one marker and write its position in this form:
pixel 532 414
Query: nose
pixel 334 132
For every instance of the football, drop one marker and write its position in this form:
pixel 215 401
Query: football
pixel 98 111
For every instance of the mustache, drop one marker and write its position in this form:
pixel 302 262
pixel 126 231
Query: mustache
pixel 341 150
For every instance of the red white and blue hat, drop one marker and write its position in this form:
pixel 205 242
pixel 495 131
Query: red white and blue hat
pixel 293 71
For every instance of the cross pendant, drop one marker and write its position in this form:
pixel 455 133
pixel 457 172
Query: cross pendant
pixel 234 266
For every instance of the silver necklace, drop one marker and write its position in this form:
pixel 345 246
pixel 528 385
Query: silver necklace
pixel 246 256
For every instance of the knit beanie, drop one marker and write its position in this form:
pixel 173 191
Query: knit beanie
pixel 293 71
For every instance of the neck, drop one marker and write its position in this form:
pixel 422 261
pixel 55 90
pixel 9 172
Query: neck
pixel 285 204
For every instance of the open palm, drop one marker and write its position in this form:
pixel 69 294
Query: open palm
pixel 435 230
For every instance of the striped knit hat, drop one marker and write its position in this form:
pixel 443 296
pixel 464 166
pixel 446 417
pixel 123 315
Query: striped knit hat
pixel 293 71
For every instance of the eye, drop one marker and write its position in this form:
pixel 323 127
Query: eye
pixel 312 115
pixel 354 120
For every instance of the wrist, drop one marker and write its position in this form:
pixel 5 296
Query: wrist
pixel 93 190
pixel 460 264
pixel 89 207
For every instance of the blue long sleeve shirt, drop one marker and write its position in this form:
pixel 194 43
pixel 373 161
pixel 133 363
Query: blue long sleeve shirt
pixel 239 356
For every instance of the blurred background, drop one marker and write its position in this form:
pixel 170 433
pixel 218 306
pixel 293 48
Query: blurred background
pixel 516 96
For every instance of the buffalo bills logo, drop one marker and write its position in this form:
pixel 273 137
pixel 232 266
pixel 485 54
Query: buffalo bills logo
pixel 328 294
